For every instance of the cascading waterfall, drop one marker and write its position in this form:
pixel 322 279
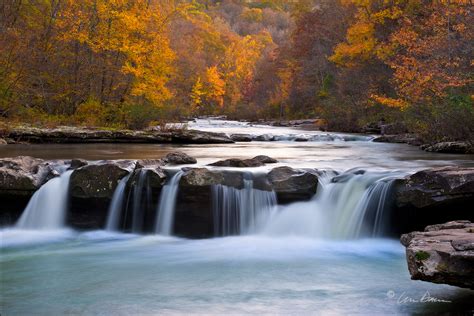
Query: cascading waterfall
pixel 141 193
pixel 116 205
pixel 167 205
pixel 241 211
pixel 47 207
pixel 350 205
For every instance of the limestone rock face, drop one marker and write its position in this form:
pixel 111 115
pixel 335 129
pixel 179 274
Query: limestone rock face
pixel 99 180
pixel 292 184
pixel 443 253
pixel 23 174
pixel 179 158
pixel 436 186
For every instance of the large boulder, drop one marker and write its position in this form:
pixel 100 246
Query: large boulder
pixel 450 148
pixel 201 177
pixel 241 137
pixel 99 180
pixel 442 254
pixel 292 184
pixel 155 177
pixel 179 158
pixel 257 161
pixel 265 159
pixel 23 175
pixel 436 186
pixel 20 177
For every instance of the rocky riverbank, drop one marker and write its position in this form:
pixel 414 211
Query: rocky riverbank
pixel 458 147
pixel 442 253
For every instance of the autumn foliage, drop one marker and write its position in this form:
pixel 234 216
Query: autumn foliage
pixel 351 62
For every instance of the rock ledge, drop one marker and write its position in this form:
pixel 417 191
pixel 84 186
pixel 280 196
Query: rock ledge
pixel 443 253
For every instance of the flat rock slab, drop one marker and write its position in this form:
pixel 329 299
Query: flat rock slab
pixel 436 186
pixel 67 134
pixel 443 253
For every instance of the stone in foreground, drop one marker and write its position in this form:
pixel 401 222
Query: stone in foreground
pixel 443 253
pixel 437 186
pixel 243 163
pixel 179 158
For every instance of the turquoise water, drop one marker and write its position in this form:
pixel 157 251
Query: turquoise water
pixel 98 273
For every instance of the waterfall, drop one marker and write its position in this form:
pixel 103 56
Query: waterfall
pixel 167 205
pixel 241 211
pixel 116 205
pixel 350 205
pixel 47 207
pixel 141 193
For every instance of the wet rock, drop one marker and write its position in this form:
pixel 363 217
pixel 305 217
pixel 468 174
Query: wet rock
pixel 23 175
pixel 400 138
pixel 292 184
pixel 442 254
pixel 238 163
pixel 200 137
pixel 241 137
pixel 179 158
pixel 3 142
pixel 201 177
pixel 155 177
pixel 450 148
pixel 99 180
pixel 257 161
pixel 264 159
pixel 436 186
pixel 150 163
pixel 265 138
pixel 77 163
pixel 301 139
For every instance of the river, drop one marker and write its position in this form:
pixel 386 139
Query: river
pixel 296 263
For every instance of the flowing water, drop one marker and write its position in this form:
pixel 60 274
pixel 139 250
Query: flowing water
pixel 48 206
pixel 323 256
pixel 241 212
pixel 116 206
pixel 167 204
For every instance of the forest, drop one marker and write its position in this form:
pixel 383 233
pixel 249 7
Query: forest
pixel 136 63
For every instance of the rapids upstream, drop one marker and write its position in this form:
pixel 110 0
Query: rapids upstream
pixel 328 255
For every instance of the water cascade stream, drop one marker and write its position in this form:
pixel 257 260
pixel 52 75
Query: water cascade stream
pixel 244 211
pixel 351 205
pixel 167 205
pixel 48 206
pixel 116 205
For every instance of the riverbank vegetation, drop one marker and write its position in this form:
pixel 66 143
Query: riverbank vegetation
pixel 123 63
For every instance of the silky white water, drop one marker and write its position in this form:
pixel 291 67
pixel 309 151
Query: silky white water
pixel 119 274
pixel 47 207
pixel 340 209
pixel 241 211
pixel 116 206
pixel 167 205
